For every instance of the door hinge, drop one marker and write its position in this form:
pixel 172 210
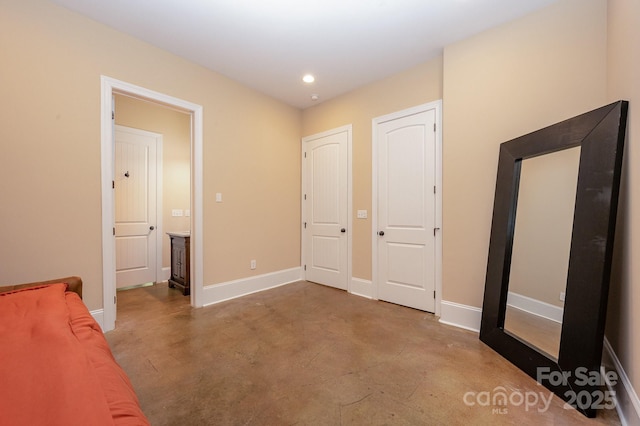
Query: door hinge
pixel 434 231
pixel 434 127
pixel 434 294
pixel 114 231
pixel 305 196
pixel 305 225
pixel 305 267
pixel 113 184
pixel 115 300
pixel 113 115
pixel 305 155
pixel 434 189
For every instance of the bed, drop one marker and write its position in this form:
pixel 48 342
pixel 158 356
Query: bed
pixel 56 367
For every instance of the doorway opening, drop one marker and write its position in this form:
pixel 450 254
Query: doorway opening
pixel 111 88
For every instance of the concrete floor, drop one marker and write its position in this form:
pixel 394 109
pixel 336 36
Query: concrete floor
pixel 311 355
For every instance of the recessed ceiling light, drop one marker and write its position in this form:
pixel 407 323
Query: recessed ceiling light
pixel 308 78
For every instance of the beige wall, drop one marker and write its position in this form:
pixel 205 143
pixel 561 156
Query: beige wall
pixel 50 151
pixel 623 317
pixel 418 85
pixel 175 128
pixel 500 84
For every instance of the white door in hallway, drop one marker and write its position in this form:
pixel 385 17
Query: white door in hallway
pixel 405 228
pixel 135 187
pixel 325 207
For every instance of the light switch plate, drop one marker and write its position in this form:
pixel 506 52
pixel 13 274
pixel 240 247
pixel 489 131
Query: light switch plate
pixel 362 214
pixel 218 197
pixel 176 212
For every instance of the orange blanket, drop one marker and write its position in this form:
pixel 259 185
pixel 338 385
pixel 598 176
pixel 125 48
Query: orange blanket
pixel 55 365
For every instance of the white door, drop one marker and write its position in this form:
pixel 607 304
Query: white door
pixel 325 207
pixel 135 206
pixel 406 221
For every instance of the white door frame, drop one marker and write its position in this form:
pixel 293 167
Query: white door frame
pixel 109 86
pixel 437 106
pixel 347 128
pixel 158 207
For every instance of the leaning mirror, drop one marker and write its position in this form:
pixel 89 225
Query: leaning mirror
pixel 550 252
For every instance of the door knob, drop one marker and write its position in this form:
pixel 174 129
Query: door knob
pixel 343 230
pixel 152 227
pixel 381 233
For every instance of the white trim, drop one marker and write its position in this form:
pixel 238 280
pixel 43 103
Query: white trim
pixel 217 293
pixel 626 398
pixel 535 307
pixel 438 212
pixel 98 315
pixel 159 204
pixel 349 204
pixel 360 287
pixel 463 316
pixel 109 86
pixel 437 106
pixel 349 130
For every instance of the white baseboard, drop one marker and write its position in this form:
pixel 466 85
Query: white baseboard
pixel 458 315
pixel 217 293
pixel 627 402
pixel 98 315
pixel 361 287
pixel 535 307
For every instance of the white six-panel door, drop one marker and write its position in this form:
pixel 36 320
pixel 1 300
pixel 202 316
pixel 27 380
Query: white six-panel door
pixel 325 208
pixel 135 206
pixel 406 209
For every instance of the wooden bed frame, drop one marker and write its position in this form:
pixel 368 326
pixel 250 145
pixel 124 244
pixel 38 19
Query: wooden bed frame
pixel 74 283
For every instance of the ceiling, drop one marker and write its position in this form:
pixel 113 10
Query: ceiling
pixel 270 44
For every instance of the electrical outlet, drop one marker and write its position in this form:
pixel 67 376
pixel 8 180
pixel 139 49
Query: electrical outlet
pixel 253 264
pixel 176 212
pixel 362 214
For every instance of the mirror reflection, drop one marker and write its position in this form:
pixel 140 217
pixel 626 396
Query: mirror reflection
pixel 541 247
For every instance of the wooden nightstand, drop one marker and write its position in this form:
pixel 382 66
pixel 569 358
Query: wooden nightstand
pixel 180 265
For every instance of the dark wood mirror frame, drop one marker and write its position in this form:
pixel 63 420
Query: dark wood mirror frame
pixel 600 134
